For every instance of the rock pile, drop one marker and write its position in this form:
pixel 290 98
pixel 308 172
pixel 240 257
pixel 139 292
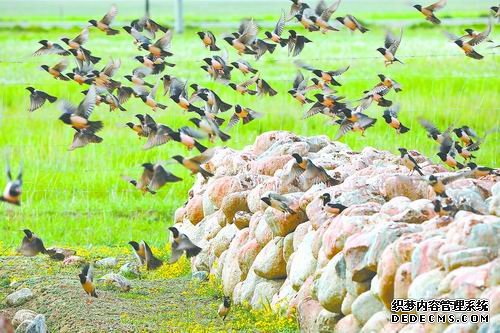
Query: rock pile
pixel 340 273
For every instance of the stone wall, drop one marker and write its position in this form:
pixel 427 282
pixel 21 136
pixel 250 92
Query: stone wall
pixel 340 273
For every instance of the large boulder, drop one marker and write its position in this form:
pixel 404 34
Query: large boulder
pixel 270 263
pixel 330 286
pixel 304 263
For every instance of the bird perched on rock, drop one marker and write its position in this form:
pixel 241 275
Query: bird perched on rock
pixel 438 184
pixel 224 307
pixel 194 163
pixel 145 256
pixel 352 23
pixel 279 202
pixel 13 189
pixel 104 23
pixel 409 162
pixel 391 118
pixel 331 207
pixel 428 11
pixel 444 207
pixel 481 171
pixel 38 98
pixel 87 280
pixel 180 244
pixel 391 45
pixel 208 39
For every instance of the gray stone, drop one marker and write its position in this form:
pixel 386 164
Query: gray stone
pixel 23 315
pixel 365 306
pixel 19 297
pixel 130 269
pixel 109 262
pixel 37 325
pixel 200 275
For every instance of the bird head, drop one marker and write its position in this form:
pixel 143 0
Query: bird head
pixel 140 117
pixel 326 198
pixel 472 165
pixel 437 205
pixel 432 179
pixel 71 76
pixel 128 77
pixel 93 22
pixel 457 131
pixel 315 81
pixel 340 19
pixel 458 147
pixel 319 97
pixel 131 125
pixel 469 31
pixel 135 245
pixel 313 19
pixel 203 96
pixel 28 233
pixel 175 98
pixel 193 86
pixel 44 42
pixel 83 278
pixel 234 64
pixel 127 29
pixel 44 67
pixel 268 34
pixel 174 230
pixel 201 34
pixel 347 112
pixel 195 121
pixel 292 33
pixel 65 39
pixel 31 89
pixel 459 42
pixel 205 68
pixel 298 16
pixel 297 157
pixel 442 156
pixel 139 58
pixel 295 1
pixel 267 200
pixel 387 117
pixel 145 46
pixel 292 92
pixel 237 108
pixel 148 166
pixel 418 7
pixel 227 301
pixel 317 72
pixel 66 118
pixel 381 50
pixel 381 77
pixel 208 61
pixel 232 85
pixel 403 151
pixel 229 39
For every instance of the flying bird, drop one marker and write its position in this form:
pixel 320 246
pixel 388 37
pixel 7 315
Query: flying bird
pixel 328 76
pixel 244 66
pixel 263 88
pixel 296 43
pixel 243 88
pixel 391 45
pixel 57 69
pixel 352 23
pixel 181 244
pixel 49 47
pixel 193 164
pixel 147 24
pixel 78 116
pixel 38 98
pixel 468 46
pixel 354 121
pixel 145 256
pixel 210 125
pixel 246 36
pixel 391 118
pixel 428 11
pixel 161 47
pixel 104 23
pixel 83 137
pixel 208 39
pixel 149 97
pixel 299 89
pixel 275 35
pixel 78 41
pixel 324 16
pixel 245 114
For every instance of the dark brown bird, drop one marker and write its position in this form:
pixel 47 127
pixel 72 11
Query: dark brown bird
pixel 428 11
pixel 38 98
pixel 104 23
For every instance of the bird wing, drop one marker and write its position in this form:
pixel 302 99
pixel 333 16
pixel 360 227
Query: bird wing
pixel 233 121
pixel 112 67
pixel 394 110
pixel 249 33
pixel 280 25
pixel 301 64
pixel 392 43
pixel 83 37
pixel 152 94
pixel 429 127
pixel 203 157
pixel 345 126
pixel 142 72
pixel 250 82
pixel 82 138
pixel 339 71
pixel 327 13
pixel 158 137
pixel 185 244
pixel 161 177
pixel 175 253
pixel 87 105
pixel 165 41
pixel 437 6
pixel 145 179
pixel 299 82
pixel 90 273
pixel 36 101
pixel 355 21
pixel 364 121
pixel 110 15
pixel 192 132
pixel 481 37
pixel 61 66
pixel 177 87
pixel 320 8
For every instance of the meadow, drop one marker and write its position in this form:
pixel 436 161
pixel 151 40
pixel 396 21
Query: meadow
pixel 79 198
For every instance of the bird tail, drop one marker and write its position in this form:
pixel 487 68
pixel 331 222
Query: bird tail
pixel 121 108
pixel 283 42
pixel 251 92
pixel 335 83
pixel 271 47
pixel 51 99
pixel 384 102
pixel 363 29
pixel 223 136
pixel 111 32
pixel 396 59
pixel 460 165
pixel 161 106
pixel 214 47
pixel 205 173
pixel 201 148
pixel 93 59
pixel 417 168
pixel 95 126
pixel 475 55
pixel 193 252
pixel 224 106
pixel 434 19
pixel 403 129
pixel 253 70
pixel 148 85
pixel 193 108
pixel 63 77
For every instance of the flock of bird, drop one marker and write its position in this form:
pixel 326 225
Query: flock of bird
pixel 207 106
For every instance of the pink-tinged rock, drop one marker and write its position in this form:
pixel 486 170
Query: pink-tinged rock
pixel 73 260
pixel 355 288
pixel 253 199
pixel 304 292
pixel 216 268
pixel 402 281
pixel 341 228
pixel 437 222
pixel 365 306
pixel 247 255
pixel 227 162
pixel 492 294
pixel 366 209
pixel 307 312
pixel 233 203
pixel 318 142
pixel 264 141
pixel 330 286
pixel 211 226
pixel 392 327
pixel 355 249
pixel 269 165
pixel 281 223
pixel 281 300
pixel 405 245
pixel 288 246
pixel 194 209
pixel 264 293
pixel 231 273
pixel 303 264
pixel 326 321
pixel 254 222
pixel 492 327
pixel 445 285
pixel 269 263
pixel 376 323
pixel 346 307
pixel 474 230
pixel 242 220
pixel 221 242
pixel 395 206
pixel 425 285
pixel 425 255
pixel 386 272
pixel 404 186
pixel 468 257
pixel 348 324
pixel 299 234
pixel 417 211
pixel 179 214
pixel 263 233
pixel 318 238
pixel 470 282
pixel 494 273
pixel 220 188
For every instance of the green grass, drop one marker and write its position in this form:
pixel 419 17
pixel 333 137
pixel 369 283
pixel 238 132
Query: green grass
pixel 79 198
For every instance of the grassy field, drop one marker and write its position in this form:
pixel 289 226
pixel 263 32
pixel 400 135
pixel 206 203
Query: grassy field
pixel 79 198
